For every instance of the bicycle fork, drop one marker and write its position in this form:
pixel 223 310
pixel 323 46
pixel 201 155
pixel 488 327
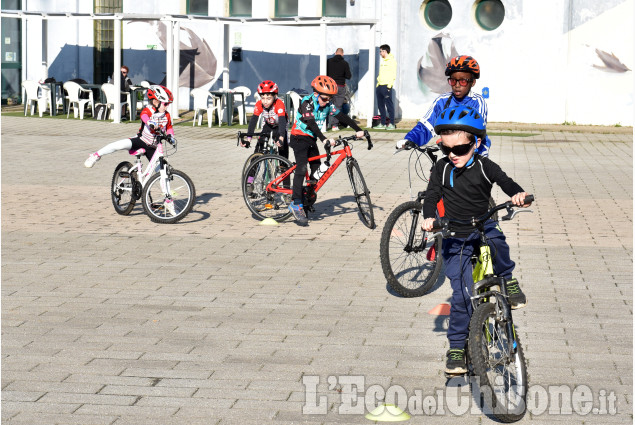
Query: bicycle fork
pixel 503 309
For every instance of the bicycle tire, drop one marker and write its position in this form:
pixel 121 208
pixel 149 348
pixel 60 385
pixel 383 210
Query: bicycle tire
pixel 361 193
pixel 487 345
pixel 182 193
pixel 249 161
pixel 262 203
pixel 122 189
pixel 411 271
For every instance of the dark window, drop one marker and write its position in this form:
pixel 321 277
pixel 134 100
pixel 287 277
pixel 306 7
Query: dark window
pixel 240 7
pixel 197 7
pixel 436 13
pixel 11 54
pixel 105 40
pixel 334 8
pixel 489 14
pixel 286 8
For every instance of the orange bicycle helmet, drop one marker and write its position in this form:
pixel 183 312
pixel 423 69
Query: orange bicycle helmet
pixel 324 85
pixel 463 64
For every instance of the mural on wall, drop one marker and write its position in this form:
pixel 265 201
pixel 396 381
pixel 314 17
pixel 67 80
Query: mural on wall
pixel 611 62
pixel 431 67
pixel 197 61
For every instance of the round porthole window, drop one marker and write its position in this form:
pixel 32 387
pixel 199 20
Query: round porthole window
pixel 489 14
pixel 436 14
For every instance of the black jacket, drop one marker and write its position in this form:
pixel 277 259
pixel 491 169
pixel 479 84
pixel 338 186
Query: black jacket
pixel 337 68
pixel 465 191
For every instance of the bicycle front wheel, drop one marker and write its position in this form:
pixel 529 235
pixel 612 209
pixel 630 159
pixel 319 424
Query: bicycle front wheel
pixel 124 190
pixel 261 202
pixel 172 207
pixel 361 193
pixel 502 372
pixel 410 261
pixel 254 156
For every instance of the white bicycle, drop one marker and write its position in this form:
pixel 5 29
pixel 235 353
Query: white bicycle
pixel 167 195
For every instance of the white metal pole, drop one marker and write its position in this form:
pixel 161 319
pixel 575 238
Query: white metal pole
pixel 226 57
pixel 176 74
pixel 371 76
pixel 169 55
pixel 116 72
pixel 323 50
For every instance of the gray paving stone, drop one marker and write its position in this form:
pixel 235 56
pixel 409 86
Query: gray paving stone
pixel 109 319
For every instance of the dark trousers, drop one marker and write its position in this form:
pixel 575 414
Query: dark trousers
pixel 385 105
pixel 303 147
pixel 458 268
pixel 274 131
pixel 338 101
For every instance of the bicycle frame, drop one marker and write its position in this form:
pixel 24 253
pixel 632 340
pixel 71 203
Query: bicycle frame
pixel 158 159
pixel 342 154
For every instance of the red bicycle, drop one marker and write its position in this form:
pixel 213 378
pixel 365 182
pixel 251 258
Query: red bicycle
pixel 269 193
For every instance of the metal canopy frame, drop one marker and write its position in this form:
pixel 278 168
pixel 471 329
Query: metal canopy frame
pixel 173 48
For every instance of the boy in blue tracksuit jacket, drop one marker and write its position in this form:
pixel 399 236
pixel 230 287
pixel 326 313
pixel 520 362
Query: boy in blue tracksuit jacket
pixel 462 72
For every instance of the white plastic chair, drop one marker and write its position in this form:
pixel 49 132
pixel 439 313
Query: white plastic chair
pixel 202 105
pixel 73 89
pixel 238 102
pixel 110 92
pixel 30 97
pixel 46 99
pixel 296 99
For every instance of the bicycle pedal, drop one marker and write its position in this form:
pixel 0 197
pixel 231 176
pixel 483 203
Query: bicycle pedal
pixel 453 375
pixel 311 181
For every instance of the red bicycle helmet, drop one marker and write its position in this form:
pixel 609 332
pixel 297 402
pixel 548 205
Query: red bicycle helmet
pixel 463 64
pixel 160 93
pixel 324 85
pixel 267 86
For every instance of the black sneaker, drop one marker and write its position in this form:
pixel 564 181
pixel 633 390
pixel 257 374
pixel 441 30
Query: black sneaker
pixel 517 298
pixel 455 364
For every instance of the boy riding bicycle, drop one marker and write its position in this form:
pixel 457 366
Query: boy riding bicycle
pixel 462 73
pixel 272 109
pixel 312 114
pixel 154 118
pixel 464 180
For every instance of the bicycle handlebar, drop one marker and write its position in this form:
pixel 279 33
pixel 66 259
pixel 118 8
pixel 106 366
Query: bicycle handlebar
pixel 344 140
pixel 443 223
pixel 247 143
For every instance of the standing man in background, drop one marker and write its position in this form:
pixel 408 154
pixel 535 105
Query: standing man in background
pixel 385 82
pixel 337 68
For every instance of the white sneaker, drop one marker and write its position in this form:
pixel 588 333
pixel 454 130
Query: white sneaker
pixel 169 205
pixel 91 160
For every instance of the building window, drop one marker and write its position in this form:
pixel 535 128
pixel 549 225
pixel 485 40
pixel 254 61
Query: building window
pixel 436 14
pixel 489 14
pixel 286 8
pixel 197 7
pixel 104 37
pixel 334 8
pixel 240 7
pixel 11 55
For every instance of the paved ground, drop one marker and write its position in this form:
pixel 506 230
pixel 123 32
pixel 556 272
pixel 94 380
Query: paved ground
pixel 217 320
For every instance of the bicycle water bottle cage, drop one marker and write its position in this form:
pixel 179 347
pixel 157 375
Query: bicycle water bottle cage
pixel 137 152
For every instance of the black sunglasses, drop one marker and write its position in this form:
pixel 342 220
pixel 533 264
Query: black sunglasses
pixel 462 81
pixel 458 150
pixel 325 98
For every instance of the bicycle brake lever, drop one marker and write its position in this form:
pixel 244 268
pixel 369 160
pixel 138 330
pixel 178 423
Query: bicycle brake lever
pixel 511 213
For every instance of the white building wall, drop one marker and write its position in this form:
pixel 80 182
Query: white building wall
pixel 542 65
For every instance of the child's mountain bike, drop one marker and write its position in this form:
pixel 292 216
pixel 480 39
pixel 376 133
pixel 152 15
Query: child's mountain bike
pixel 494 353
pixel 265 145
pixel 269 193
pixel 410 258
pixel 167 195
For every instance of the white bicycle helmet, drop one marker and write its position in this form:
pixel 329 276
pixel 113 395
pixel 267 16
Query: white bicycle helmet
pixel 160 93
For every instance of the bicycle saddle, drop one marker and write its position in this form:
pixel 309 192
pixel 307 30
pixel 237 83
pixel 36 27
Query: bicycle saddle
pixel 137 152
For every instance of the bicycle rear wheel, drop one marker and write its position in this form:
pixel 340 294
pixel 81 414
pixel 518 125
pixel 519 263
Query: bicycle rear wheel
pixel 125 189
pixel 503 374
pixel 361 193
pixel 410 261
pixel 163 209
pixel 261 202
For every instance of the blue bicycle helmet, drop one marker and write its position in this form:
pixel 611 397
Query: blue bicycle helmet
pixel 461 118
